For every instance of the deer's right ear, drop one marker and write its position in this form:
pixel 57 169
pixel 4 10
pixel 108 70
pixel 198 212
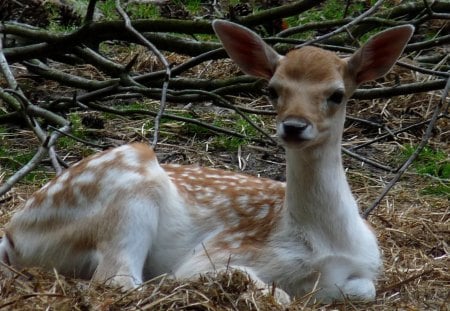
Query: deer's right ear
pixel 379 54
pixel 247 49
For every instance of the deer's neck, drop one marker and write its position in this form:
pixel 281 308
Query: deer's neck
pixel 317 191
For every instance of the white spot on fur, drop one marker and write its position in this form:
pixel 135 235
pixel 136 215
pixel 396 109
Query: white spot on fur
pixel 243 200
pixel 55 188
pixel 30 202
pixel 109 156
pixel 86 177
pixel 63 177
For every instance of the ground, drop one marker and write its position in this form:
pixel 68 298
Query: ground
pixel 411 221
pixel 412 226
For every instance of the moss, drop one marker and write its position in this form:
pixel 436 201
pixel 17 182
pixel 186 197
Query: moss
pixel 434 163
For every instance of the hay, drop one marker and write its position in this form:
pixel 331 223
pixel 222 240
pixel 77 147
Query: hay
pixel 35 290
pixel 412 228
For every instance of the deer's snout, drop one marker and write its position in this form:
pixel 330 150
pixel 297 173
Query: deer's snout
pixel 295 130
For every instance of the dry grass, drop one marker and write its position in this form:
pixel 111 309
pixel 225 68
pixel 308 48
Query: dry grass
pixel 413 232
pixel 413 228
pixel 38 290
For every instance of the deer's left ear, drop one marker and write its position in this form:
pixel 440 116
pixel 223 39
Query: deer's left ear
pixel 247 49
pixel 379 54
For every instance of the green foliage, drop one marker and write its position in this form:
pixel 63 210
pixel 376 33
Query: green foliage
pixel 141 11
pixel 329 10
pixel 12 161
pixel 144 10
pixel 77 127
pixel 194 6
pixel 232 122
pixel 38 177
pixel 108 8
pixel 60 21
pixel 3 131
pixel 434 163
pixel 431 162
pixel 144 105
pixel 65 142
pixel 225 142
pixel 239 125
pixel 243 127
pixel 234 2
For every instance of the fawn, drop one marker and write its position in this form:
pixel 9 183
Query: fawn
pixel 121 217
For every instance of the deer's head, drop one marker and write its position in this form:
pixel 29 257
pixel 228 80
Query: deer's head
pixel 309 86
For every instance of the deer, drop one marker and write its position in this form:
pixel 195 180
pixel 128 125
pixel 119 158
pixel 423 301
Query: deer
pixel 121 218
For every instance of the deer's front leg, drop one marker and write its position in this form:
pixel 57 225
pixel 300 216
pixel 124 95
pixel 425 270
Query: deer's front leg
pixel 344 278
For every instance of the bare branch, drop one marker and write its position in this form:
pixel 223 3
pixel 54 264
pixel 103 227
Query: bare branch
pixel 416 152
pixel 346 26
pixel 37 158
pixel 161 58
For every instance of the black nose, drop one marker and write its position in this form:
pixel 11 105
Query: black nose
pixel 294 128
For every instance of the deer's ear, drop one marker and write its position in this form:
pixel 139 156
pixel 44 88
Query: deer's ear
pixel 379 54
pixel 253 56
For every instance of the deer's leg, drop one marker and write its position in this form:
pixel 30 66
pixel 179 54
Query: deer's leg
pixel 123 256
pixel 344 278
pixel 354 289
pixel 120 268
pixel 359 289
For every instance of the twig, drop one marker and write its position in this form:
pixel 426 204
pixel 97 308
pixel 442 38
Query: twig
pixel 286 10
pixel 424 70
pixel 6 70
pixel 404 89
pixel 37 158
pixel 312 26
pixel 90 11
pixel 209 55
pixel 433 14
pixel 208 126
pixel 427 44
pixel 26 108
pixel 416 152
pixel 366 160
pixel 405 281
pixel 161 58
pixel 345 27
pixel 83 141
pixel 368 122
pixel 226 104
pixel 401 130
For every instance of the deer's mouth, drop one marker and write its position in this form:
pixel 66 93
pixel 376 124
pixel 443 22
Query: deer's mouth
pixel 296 131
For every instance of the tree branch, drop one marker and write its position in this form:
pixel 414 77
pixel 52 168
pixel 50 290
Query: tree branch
pixel 416 152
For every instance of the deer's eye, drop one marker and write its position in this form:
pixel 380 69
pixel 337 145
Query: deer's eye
pixel 271 93
pixel 337 97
